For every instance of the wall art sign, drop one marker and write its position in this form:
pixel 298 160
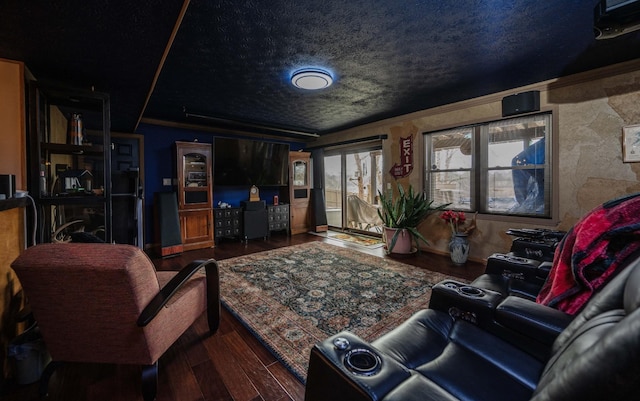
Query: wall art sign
pixel 404 168
pixel 631 143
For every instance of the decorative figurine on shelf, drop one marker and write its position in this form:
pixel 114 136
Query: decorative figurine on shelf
pixel 460 231
pixel 86 180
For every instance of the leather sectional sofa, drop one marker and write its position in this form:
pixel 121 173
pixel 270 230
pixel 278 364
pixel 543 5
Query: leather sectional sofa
pixel 479 344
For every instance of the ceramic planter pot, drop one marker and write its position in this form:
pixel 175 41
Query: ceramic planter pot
pixel 404 243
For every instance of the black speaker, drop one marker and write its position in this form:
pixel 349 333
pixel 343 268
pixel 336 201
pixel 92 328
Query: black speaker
pixel 168 237
pixel 253 205
pixel 7 185
pixel 520 103
pixel 319 210
pixel 255 224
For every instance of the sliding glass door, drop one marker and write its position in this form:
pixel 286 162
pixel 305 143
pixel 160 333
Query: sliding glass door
pixel 352 181
pixel 333 189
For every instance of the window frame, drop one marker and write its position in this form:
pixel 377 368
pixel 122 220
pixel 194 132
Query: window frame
pixel 480 169
pixel 471 169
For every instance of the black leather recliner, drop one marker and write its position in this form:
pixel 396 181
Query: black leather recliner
pixel 517 273
pixel 567 268
pixel 433 356
pixel 510 274
pixel 523 271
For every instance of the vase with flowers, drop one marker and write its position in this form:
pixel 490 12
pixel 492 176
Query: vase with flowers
pixel 460 231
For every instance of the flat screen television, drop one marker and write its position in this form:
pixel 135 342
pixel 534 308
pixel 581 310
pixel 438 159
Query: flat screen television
pixel 243 162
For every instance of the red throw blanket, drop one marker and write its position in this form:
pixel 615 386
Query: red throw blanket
pixel 591 253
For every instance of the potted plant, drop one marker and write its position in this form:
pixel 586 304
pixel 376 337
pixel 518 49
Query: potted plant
pixel 400 218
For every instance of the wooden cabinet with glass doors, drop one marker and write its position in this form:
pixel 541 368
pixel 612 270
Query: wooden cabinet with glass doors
pixel 195 207
pixel 299 191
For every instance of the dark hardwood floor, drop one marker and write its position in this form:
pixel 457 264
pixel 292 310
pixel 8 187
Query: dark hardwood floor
pixel 230 365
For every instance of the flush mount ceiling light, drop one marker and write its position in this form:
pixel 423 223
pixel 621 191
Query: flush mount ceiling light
pixel 311 79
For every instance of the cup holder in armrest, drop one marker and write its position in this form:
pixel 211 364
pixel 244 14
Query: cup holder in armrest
pixel 467 290
pixel 451 285
pixel 471 291
pixel 362 361
pixel 467 301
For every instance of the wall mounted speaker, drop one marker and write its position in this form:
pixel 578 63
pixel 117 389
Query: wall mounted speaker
pixel 521 103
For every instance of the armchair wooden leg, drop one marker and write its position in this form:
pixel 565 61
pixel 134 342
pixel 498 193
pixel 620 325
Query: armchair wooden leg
pixel 43 387
pixel 150 381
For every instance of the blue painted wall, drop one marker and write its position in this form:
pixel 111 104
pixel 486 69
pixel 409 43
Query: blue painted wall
pixel 159 163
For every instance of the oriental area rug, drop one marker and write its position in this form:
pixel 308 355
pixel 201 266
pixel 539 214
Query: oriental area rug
pixel 291 298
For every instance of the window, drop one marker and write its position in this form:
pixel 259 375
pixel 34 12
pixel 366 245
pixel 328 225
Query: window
pixel 502 167
pixel 450 167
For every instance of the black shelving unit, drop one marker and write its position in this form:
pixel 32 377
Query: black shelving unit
pixel 69 179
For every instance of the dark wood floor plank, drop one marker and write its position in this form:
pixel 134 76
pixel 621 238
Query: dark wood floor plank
pixel 176 376
pixel 268 387
pixel 293 387
pixel 192 344
pixel 229 322
pixel 211 383
pixel 124 384
pixel 233 375
pixel 265 356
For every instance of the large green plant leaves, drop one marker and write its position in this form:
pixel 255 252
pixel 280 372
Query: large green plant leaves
pixel 406 212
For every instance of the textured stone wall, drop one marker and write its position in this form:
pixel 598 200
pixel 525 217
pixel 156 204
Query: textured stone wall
pixel 591 118
pixel 589 113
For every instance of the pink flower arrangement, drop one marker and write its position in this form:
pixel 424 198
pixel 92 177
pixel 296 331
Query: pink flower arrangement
pixel 455 220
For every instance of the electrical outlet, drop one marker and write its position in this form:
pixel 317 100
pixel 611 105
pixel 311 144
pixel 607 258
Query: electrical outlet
pixel 166 182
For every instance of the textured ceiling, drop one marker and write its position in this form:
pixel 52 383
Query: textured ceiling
pixel 232 60
pixel 115 47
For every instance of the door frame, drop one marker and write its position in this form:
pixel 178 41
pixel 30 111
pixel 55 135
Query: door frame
pixel 343 152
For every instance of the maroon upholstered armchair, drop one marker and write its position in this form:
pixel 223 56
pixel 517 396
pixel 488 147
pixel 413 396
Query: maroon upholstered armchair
pixel 105 303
